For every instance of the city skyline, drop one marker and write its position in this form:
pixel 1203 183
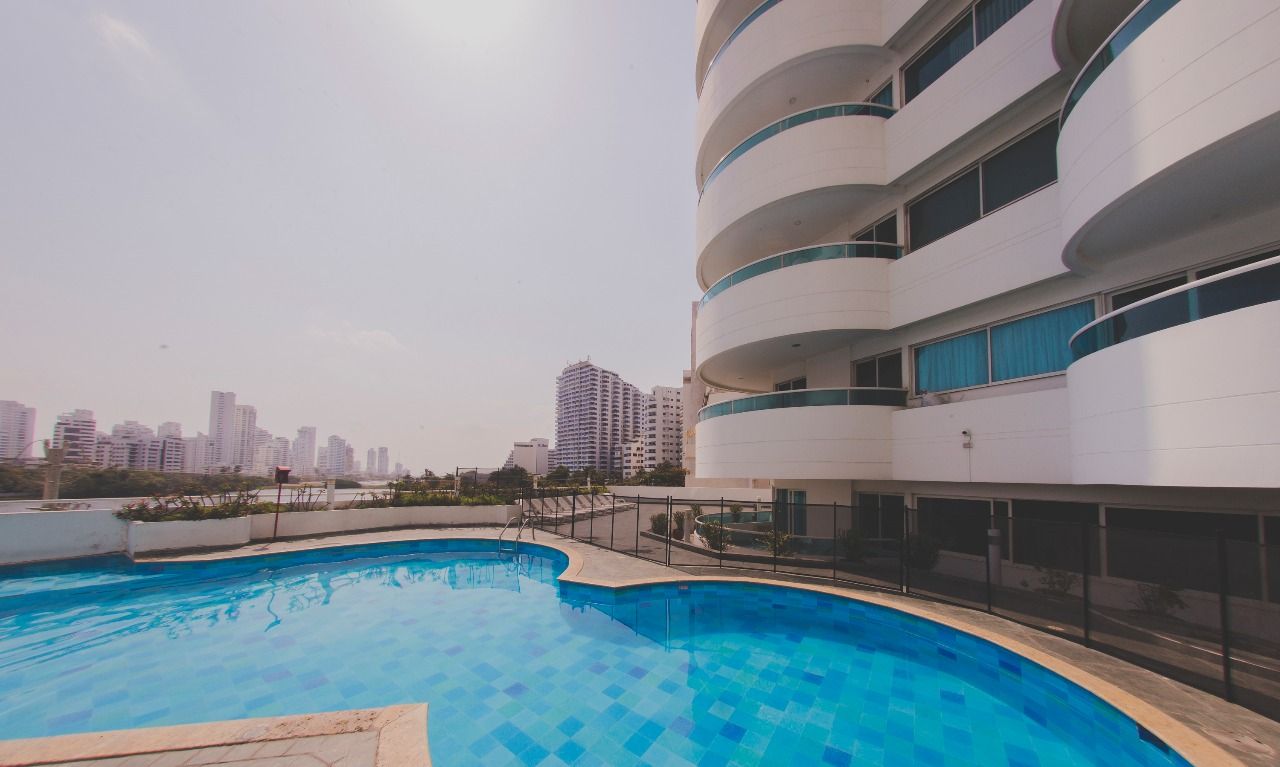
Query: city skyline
pixel 310 240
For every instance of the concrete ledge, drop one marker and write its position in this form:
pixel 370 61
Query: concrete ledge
pixel 398 735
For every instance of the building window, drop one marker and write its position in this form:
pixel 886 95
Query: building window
pixel 884 371
pixel 880 516
pixel 791 511
pixel 884 96
pixel 884 230
pixel 1029 346
pixel 1013 172
pixel 794 383
pixel 956 524
pixel 1048 534
pixel 978 22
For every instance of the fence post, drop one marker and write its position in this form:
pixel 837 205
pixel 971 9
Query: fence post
pixel 613 520
pixel 773 547
pixel 904 552
pixel 637 524
pixel 724 534
pixel 668 531
pixel 1224 611
pixel 1084 576
pixel 834 514
pixel 573 515
pixel 990 528
pixel 591 519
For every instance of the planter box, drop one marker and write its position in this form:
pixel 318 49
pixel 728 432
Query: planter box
pixel 205 533
pixel 308 523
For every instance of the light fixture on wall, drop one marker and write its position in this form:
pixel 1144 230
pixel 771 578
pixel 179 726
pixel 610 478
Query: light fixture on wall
pixel 968 439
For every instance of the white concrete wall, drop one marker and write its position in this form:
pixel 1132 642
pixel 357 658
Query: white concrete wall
pixel 1017 438
pixel 798 443
pixel 1197 404
pixel 29 536
pixel 1007 66
pixel 1013 247
pixel 206 533
pixel 305 523
pixel 1194 78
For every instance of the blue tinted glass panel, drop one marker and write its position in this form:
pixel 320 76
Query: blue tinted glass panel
pixel 990 15
pixel 952 364
pixel 938 58
pixel 944 210
pixel 1038 344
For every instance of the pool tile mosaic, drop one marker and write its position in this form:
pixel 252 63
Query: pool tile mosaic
pixel 520 669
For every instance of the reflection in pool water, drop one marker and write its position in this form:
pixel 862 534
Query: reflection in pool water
pixel 518 668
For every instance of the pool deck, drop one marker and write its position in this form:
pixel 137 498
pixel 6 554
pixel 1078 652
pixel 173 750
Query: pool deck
pixel 1203 728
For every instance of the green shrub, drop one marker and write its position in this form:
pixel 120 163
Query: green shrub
pixel 777 542
pixel 851 545
pixel 735 511
pixel 174 508
pixel 1159 599
pixel 716 536
pixel 1055 582
pixel 658 523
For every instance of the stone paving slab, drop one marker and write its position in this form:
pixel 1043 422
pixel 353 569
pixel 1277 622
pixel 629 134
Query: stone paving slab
pixel 1205 728
pixel 384 737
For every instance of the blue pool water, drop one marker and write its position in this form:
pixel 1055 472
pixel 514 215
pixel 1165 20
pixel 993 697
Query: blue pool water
pixel 519 669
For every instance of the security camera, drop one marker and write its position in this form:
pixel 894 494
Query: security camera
pixel 965 433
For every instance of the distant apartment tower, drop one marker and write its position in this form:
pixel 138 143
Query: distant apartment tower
pixel 131 445
pixel 245 437
pixel 633 458
pixel 169 429
pixel 17 424
pixel 303 453
pixel 197 454
pixel 371 461
pixel 269 454
pixel 222 419
pixel 384 457
pixel 530 456
pixel 77 432
pixel 596 414
pixel 664 428
pixel 336 458
pixel 400 470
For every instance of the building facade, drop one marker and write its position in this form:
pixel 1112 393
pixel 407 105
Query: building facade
pixel 77 432
pixel 17 425
pixel 962 269
pixel 596 414
pixel 222 422
pixel 532 456
pixel 303 452
pixel 664 427
pixel 384 458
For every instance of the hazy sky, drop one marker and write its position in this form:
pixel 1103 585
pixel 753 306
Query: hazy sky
pixel 395 221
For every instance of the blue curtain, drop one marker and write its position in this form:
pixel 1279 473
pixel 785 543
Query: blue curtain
pixel 1038 344
pixel 990 15
pixel 952 364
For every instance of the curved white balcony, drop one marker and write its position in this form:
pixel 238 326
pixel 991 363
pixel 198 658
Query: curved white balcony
pixel 1170 128
pixel 1182 388
pixel 793 55
pixel 1080 27
pixel 806 434
pixel 714 21
pixel 790 184
pixel 788 307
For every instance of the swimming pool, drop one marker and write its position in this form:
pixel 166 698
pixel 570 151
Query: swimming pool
pixel 520 668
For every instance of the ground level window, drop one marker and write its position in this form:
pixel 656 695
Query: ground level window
pixel 955 524
pixel 1179 549
pixel 1051 534
pixel 791 511
pixel 880 516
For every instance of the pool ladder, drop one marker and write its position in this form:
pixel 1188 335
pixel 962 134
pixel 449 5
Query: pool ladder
pixel 524 522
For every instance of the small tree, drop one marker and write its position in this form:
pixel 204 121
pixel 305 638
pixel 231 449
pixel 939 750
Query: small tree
pixel 777 542
pixel 1159 599
pixel 735 512
pixel 715 535
pixel 658 523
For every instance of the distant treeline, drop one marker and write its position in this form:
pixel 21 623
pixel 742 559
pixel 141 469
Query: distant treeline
pixel 20 482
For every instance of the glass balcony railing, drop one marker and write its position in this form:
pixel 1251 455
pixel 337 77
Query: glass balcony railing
pixel 1240 288
pixel 1142 17
pixel 802 256
pixel 797 119
pixel 751 17
pixel 806 398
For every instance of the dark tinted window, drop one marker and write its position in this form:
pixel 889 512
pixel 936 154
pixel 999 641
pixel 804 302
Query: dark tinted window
pixel 1220 268
pixel 938 58
pixel 1230 293
pixel 1049 534
pixel 1021 168
pixel 956 524
pixel 890 370
pixel 1121 300
pixel 944 210
pixel 884 96
pixel 864 373
pixel 990 15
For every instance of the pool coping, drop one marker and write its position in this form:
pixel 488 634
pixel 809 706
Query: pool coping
pixel 401 731
pixel 1196 747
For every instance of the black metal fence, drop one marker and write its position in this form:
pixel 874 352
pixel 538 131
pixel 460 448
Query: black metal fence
pixel 1202 610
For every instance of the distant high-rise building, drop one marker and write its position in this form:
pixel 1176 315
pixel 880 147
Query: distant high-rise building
pixel 383 458
pixel 400 471
pixel 337 458
pixel 77 431
pixel 169 429
pixel 596 414
pixel 303 453
pixel 633 458
pixel 371 461
pixel 269 454
pixel 664 428
pixel 197 453
pixel 222 419
pixel 131 445
pixel 17 424
pixel 245 435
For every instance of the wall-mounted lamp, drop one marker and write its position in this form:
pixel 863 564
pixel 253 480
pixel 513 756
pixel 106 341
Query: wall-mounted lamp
pixel 968 439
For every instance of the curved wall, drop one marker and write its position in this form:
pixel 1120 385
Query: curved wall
pixel 1177 132
pixel 787 191
pixel 847 441
pixel 1193 405
pixel 749 328
pixel 799 54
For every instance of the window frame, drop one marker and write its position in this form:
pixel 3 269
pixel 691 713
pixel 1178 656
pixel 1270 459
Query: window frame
pixel 872 227
pixel 909 247
pixel 853 367
pixel 914 392
pixel 971 11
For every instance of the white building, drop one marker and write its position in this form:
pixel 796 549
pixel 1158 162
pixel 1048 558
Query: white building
pixel 384 457
pixel 197 453
pixel 531 455
pixel 77 431
pixel 336 459
pixel 245 437
pixel 633 458
pixel 895 281
pixel 371 462
pixel 270 454
pixel 664 427
pixel 303 452
pixel 222 421
pixel 17 425
pixel 169 429
pixel 596 414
